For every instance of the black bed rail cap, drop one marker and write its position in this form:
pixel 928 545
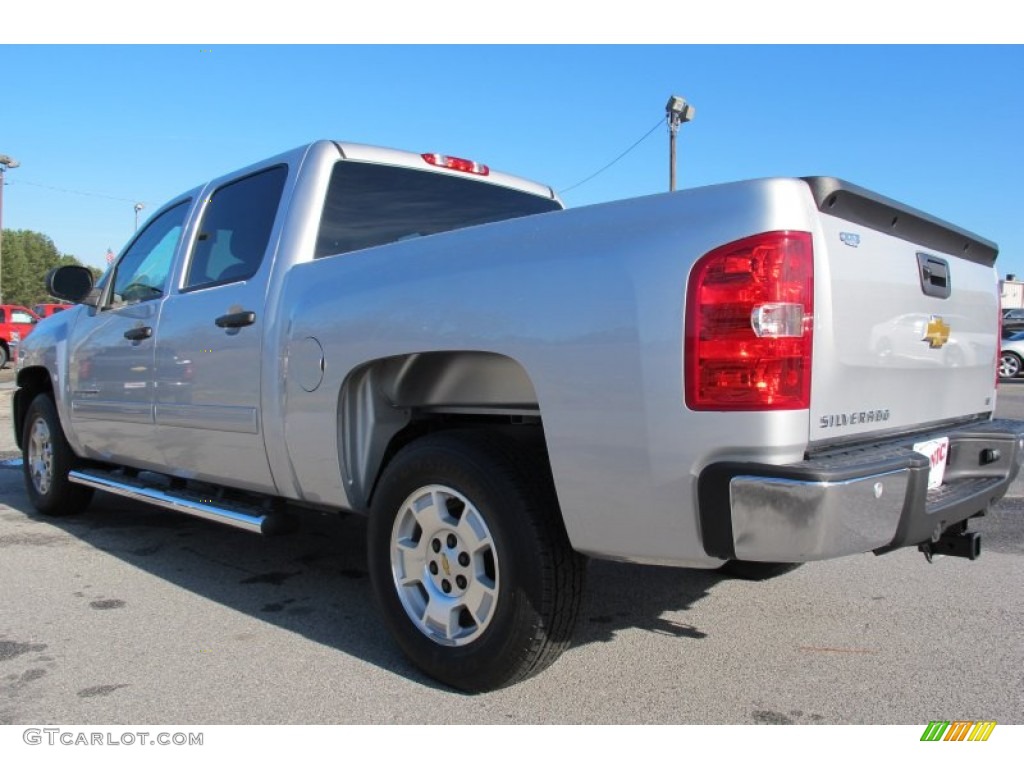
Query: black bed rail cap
pixel 862 206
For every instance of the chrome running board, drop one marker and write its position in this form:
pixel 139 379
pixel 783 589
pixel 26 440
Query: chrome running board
pixel 229 512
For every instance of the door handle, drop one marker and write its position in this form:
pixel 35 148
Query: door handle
pixel 138 334
pixel 236 319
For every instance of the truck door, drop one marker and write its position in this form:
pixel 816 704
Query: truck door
pixel 110 371
pixel 210 340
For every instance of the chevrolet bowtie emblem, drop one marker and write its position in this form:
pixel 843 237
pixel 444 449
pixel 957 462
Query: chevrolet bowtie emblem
pixel 937 332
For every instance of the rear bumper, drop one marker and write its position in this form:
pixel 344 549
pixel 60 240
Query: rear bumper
pixel 868 499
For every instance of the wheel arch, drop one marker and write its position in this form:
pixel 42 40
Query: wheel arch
pixel 386 403
pixel 31 382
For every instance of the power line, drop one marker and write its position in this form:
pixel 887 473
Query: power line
pixel 596 173
pixel 613 162
pixel 77 192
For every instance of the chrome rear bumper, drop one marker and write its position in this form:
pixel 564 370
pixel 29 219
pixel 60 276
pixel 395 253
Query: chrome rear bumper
pixel 872 498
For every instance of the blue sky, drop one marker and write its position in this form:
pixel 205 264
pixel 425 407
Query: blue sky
pixel 97 127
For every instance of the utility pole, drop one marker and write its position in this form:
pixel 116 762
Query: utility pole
pixel 6 162
pixel 677 112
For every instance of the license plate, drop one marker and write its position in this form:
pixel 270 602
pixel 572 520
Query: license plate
pixel 937 451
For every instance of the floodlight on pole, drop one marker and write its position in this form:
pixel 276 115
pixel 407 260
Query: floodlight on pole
pixel 6 162
pixel 677 112
pixel 138 207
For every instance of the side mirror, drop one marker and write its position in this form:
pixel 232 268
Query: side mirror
pixel 71 283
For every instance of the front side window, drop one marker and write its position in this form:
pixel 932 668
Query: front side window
pixel 235 229
pixel 142 272
pixel 370 205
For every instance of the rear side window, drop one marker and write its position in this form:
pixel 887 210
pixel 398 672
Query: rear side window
pixel 370 205
pixel 235 229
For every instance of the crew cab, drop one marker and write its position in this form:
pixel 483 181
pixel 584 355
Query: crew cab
pixel 762 372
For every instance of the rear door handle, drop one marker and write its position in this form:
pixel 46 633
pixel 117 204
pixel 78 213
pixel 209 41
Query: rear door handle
pixel 236 319
pixel 138 334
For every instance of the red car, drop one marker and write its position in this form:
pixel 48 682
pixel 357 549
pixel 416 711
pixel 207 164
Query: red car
pixel 16 323
pixel 45 310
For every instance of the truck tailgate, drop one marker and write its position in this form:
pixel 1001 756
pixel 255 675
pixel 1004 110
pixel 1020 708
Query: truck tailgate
pixel 906 318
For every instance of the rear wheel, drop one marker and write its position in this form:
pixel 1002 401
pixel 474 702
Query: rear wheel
pixel 1009 365
pixel 470 564
pixel 4 355
pixel 47 459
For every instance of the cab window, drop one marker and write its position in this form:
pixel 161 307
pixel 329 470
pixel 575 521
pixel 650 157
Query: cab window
pixel 370 205
pixel 235 229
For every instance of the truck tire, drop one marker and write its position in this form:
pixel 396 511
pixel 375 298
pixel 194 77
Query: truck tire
pixel 47 459
pixel 4 355
pixel 470 564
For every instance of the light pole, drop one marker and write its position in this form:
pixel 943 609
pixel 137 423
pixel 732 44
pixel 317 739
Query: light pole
pixel 138 207
pixel 6 162
pixel 677 112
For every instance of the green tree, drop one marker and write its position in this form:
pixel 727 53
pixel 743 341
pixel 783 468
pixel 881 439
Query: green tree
pixel 27 257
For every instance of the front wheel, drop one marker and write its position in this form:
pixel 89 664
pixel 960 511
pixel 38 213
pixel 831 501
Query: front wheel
pixel 46 459
pixel 472 570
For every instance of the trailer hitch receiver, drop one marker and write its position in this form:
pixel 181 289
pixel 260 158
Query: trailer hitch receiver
pixel 955 542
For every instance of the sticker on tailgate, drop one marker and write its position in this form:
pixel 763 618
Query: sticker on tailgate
pixel 937 451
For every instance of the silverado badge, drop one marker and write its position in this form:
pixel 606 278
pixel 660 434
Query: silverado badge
pixel 936 333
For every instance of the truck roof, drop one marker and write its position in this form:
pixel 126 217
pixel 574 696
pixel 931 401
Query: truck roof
pixel 372 154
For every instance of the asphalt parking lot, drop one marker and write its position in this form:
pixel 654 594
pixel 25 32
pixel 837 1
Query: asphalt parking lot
pixel 129 614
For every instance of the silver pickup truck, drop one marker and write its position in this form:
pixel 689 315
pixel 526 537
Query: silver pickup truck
pixel 751 374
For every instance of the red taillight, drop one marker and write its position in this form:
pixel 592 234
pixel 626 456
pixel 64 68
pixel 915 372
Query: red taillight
pixel 749 323
pixel 456 164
